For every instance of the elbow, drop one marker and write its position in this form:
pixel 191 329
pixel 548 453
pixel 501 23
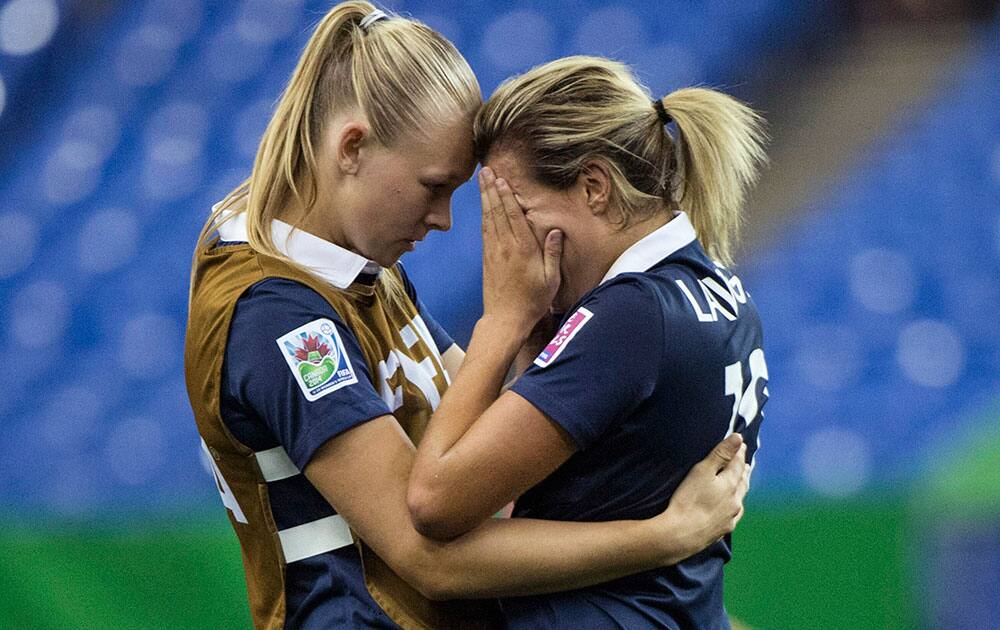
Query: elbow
pixel 435 586
pixel 430 515
pixel 428 571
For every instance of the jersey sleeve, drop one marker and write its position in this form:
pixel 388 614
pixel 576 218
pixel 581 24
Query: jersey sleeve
pixel 602 364
pixel 292 361
pixel 442 339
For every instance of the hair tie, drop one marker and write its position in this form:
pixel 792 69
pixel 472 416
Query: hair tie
pixel 371 18
pixel 661 111
pixel 677 179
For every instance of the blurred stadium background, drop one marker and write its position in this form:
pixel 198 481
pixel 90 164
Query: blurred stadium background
pixel 873 251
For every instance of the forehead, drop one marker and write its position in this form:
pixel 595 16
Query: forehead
pixel 510 165
pixel 441 149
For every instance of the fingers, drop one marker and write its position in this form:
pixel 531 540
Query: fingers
pixel 724 452
pixel 504 208
pixel 553 256
pixel 729 526
pixel 744 484
pixel 733 470
pixel 500 221
pixel 485 182
pixel 513 211
pixel 736 519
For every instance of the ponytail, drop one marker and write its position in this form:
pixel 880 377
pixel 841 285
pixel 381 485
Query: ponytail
pixel 720 144
pixel 284 170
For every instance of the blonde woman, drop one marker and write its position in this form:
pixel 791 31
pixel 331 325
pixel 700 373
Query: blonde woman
pixel 659 355
pixel 312 367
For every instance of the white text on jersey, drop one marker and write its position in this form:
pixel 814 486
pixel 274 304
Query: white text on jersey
pixel 729 291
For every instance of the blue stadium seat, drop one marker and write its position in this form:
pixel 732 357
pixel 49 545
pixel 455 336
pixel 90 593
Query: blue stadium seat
pixel 884 349
pixel 158 118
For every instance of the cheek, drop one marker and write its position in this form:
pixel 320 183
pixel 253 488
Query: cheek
pixel 538 226
pixel 397 205
pixel 544 222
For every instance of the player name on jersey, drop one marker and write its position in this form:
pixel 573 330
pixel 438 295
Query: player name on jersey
pixel 729 291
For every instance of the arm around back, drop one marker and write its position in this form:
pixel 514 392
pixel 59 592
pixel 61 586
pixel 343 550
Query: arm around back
pixel 363 473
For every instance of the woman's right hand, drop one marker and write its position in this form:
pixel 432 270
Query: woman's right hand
pixel 708 503
pixel 520 275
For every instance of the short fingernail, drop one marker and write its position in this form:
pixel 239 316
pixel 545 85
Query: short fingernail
pixel 486 173
pixel 502 183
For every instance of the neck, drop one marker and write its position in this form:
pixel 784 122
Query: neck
pixel 317 219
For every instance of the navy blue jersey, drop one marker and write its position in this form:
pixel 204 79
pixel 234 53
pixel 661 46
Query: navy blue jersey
pixel 648 372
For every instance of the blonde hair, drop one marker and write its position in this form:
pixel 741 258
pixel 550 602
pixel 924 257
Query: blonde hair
pixel 566 113
pixel 402 76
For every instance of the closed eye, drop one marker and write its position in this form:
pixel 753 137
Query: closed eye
pixel 436 187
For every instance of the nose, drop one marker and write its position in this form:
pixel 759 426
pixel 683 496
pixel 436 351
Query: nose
pixel 439 217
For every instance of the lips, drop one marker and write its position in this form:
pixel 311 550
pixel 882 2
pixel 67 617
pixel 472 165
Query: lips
pixel 411 242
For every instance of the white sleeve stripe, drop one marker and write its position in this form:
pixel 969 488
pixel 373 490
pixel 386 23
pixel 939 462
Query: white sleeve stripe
pixel 311 539
pixel 275 464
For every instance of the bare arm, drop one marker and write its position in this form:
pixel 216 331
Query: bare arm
pixel 363 474
pixel 474 458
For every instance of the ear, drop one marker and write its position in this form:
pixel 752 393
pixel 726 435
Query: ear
pixel 595 184
pixel 347 146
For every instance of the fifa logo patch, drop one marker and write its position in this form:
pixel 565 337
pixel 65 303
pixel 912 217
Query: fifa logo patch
pixel 317 358
pixel 563 337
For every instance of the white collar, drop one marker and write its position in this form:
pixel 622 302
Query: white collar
pixel 334 264
pixel 654 247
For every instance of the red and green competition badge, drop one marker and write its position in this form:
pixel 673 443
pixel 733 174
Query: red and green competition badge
pixel 317 358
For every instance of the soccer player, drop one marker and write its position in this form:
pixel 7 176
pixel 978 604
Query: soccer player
pixel 591 205
pixel 312 367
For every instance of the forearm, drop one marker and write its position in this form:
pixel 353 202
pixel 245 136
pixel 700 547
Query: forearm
pixel 511 557
pixel 477 384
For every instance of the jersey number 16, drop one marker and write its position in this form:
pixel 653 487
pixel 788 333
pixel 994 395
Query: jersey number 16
pixel 746 402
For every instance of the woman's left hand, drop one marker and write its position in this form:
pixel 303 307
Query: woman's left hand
pixel 708 503
pixel 520 276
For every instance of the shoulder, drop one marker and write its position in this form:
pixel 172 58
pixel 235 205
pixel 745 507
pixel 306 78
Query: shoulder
pixel 625 296
pixel 284 331
pixel 281 299
pixel 609 318
pixel 280 292
pixel 276 307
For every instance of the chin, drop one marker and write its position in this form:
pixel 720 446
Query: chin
pixel 384 257
pixel 387 261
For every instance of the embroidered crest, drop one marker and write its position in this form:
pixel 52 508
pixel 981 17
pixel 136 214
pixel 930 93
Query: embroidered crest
pixel 317 358
pixel 572 326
